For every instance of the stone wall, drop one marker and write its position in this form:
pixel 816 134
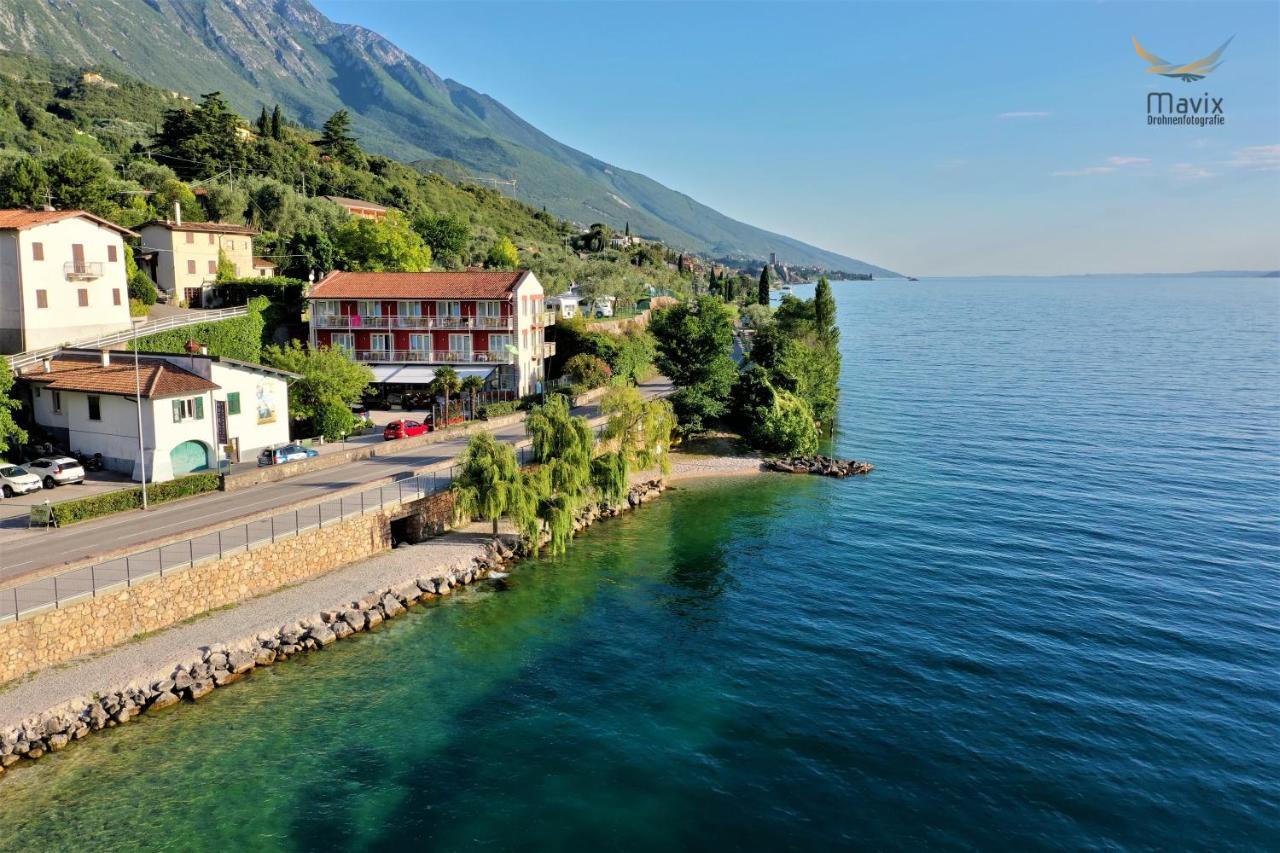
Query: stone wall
pixel 56 636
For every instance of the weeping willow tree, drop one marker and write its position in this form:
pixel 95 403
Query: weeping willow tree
pixel 609 476
pixel 489 483
pixel 641 427
pixel 563 445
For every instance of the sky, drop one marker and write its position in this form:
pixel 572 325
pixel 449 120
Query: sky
pixel 930 138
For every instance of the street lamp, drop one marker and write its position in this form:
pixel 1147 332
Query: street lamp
pixel 137 385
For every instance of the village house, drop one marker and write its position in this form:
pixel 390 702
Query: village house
pixel 566 305
pixel 404 325
pixel 185 254
pixel 197 410
pixel 263 268
pixel 62 278
pixel 358 207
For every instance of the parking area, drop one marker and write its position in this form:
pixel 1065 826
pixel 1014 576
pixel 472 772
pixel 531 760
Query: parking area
pixel 95 483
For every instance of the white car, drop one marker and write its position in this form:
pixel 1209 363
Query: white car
pixel 57 470
pixel 16 480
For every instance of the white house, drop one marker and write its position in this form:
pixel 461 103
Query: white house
pixel 197 410
pixel 567 304
pixel 62 278
pixel 186 254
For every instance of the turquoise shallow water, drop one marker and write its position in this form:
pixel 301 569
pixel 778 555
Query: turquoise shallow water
pixel 1047 621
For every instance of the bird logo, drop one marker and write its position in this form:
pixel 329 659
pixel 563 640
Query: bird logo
pixel 1188 73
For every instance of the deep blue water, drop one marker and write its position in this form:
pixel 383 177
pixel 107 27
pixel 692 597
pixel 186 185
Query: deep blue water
pixel 1050 619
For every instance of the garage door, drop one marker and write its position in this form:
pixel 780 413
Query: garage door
pixel 187 457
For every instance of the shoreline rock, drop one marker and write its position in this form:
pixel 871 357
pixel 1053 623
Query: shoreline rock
pixel 221 664
pixel 822 466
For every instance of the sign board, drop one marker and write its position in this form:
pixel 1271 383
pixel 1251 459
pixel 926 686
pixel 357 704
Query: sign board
pixel 220 419
pixel 42 514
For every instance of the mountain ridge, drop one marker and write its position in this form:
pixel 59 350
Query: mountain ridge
pixel 261 52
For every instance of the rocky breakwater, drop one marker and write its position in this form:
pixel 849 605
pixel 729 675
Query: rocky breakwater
pixel 222 664
pixel 824 466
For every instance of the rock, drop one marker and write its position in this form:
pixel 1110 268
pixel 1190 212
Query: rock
pixel 240 662
pixel 35 752
pixel 124 715
pixel 200 689
pixel 217 660
pixel 9 760
pixel 342 630
pixel 322 636
pixel 182 680
pixel 162 701
pixel 354 619
pixel 58 742
pixel 373 617
pixel 223 677
pixel 264 657
pixel 391 605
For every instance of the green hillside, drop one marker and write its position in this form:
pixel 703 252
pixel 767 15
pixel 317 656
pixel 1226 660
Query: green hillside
pixel 263 52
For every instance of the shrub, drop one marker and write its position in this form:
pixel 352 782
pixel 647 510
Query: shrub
pixel 505 407
pixel 239 337
pixel 83 509
pixel 587 370
pixel 788 427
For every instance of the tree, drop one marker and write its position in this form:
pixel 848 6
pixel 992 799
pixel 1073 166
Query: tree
pixel 762 294
pixel 641 427
pixel 23 183
pixel 336 140
pixel 226 269
pixel 562 445
pixel 824 312
pixel 752 398
pixel 488 484
pixel 277 122
pixel 447 235
pixel 140 285
pixel 81 180
pixel 197 142
pixel 264 122
pixel 472 385
pixel 587 370
pixel 309 252
pixel 329 381
pixel 446 382
pixel 695 342
pixel 387 245
pixel 10 433
pixel 757 316
pixel 788 427
pixel 503 255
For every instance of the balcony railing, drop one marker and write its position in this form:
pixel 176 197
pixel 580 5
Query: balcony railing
pixel 548 318
pixel 414 356
pixel 548 349
pixel 82 270
pixel 360 321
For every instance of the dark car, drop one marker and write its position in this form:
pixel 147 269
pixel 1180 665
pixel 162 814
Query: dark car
pixel 404 429
pixel 288 453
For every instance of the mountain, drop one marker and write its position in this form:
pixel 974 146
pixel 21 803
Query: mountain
pixel 285 51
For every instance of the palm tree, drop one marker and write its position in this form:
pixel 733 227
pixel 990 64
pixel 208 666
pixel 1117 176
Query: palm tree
pixel 446 382
pixel 473 385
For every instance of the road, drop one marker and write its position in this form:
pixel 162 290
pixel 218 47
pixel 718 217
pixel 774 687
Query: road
pixel 24 554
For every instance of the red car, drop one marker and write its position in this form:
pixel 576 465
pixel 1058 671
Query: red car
pixel 404 429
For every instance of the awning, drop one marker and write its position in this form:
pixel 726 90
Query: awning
pixel 413 374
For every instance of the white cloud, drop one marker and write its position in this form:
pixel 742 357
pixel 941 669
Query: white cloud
pixel 1113 164
pixel 1190 171
pixel 1026 114
pixel 1264 157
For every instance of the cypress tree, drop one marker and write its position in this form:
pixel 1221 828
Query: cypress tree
pixel 276 121
pixel 824 312
pixel 263 121
pixel 763 294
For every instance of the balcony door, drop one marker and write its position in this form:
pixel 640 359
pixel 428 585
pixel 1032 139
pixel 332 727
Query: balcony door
pixel 419 348
pixel 343 340
pixel 460 347
pixel 380 346
pixel 489 315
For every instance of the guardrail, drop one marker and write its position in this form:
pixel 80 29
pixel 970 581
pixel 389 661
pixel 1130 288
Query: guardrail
pixel 362 321
pixel 96 579
pixel 413 356
pixel 25 359
pixel 82 270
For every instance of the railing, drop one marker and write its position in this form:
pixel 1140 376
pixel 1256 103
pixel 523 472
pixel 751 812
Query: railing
pixel 548 349
pixel 26 359
pixel 398 356
pixel 82 270
pixel 120 572
pixel 361 321
pixel 548 318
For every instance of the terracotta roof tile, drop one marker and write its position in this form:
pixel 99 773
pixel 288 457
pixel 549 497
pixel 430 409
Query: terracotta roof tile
pixel 77 373
pixel 20 219
pixel 417 285
pixel 343 201
pixel 201 227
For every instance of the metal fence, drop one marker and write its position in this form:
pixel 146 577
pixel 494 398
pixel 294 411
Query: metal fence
pixel 98 578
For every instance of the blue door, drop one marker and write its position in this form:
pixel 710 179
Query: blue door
pixel 187 457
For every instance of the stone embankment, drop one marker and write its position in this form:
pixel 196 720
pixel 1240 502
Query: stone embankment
pixel 222 664
pixel 824 466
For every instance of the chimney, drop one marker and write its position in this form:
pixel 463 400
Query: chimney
pixel 204 350
pixel 177 213
pixel 46 365
pixel 106 358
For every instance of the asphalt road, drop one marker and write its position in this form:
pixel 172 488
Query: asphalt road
pixel 26 553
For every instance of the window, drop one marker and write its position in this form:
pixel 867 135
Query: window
pixel 192 407
pixel 199 407
pixel 231 245
pixel 211 238
pixel 233 403
pixel 83 295
pixel 37 251
pixel 111 254
pixel 191 236
pixel 56 402
pixel 368 308
pixel 213 267
pixel 461 345
pixel 115 296
pixel 95 407
pixel 42 299
pixel 499 343
pixel 410 309
pixel 379 343
pixel 179 411
pixel 448 309
pixel 420 343
pixel 191 267
pixel 343 340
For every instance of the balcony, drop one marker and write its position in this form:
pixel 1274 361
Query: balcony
pixel 406 356
pixel 459 324
pixel 82 270
pixel 548 349
pixel 548 318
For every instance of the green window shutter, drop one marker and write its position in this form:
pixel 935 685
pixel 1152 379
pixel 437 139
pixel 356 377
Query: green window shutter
pixel 199 408
pixel 177 411
pixel 233 403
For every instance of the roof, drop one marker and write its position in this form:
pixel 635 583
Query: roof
pixel 81 373
pixel 263 262
pixel 418 285
pixel 21 219
pixel 409 374
pixel 96 354
pixel 354 202
pixel 201 227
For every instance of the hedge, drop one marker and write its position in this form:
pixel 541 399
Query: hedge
pixel 239 338
pixel 83 509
